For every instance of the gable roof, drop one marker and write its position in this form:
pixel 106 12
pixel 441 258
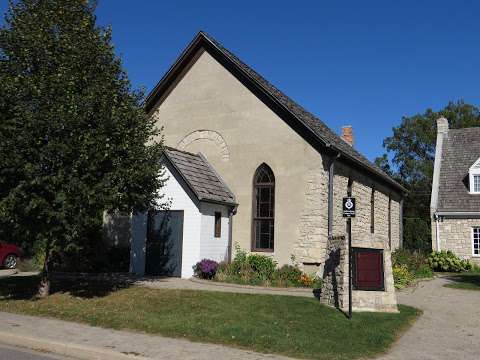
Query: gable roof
pixel 461 149
pixel 307 124
pixel 200 176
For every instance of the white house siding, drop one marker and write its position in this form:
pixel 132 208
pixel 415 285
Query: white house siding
pixel 210 246
pixel 180 200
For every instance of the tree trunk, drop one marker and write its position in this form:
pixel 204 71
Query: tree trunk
pixel 44 286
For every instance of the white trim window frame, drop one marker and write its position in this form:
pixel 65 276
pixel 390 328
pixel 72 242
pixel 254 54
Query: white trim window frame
pixel 474 178
pixel 476 241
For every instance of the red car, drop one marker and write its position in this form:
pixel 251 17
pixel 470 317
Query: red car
pixel 9 255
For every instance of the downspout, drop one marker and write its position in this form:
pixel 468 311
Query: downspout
pixel 437 231
pixel 400 230
pixel 232 212
pixel 331 174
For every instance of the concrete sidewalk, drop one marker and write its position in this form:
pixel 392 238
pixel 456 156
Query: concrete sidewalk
pixel 92 343
pixel 208 285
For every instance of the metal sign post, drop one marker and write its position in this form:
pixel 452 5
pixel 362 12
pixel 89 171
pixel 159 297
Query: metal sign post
pixel 349 212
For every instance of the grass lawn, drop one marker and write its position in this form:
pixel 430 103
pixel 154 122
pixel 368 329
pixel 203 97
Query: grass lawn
pixel 292 326
pixel 465 281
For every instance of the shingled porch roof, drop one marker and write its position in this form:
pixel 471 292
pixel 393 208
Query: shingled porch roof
pixel 200 176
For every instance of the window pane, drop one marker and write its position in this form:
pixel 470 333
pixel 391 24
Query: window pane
pixel 264 234
pixel 476 241
pixel 263 212
pixel 476 183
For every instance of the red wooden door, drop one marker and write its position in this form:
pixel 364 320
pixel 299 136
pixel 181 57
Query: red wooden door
pixel 368 269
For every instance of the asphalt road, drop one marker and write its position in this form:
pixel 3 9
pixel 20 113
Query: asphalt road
pixel 13 353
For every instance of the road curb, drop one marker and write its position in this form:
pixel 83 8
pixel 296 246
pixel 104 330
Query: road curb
pixel 8 272
pixel 77 351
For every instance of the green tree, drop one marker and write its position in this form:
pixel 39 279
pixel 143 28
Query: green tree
pixel 412 152
pixel 74 139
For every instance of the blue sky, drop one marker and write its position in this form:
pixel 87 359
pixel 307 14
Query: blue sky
pixel 364 63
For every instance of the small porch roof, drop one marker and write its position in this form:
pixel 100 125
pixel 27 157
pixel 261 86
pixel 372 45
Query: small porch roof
pixel 200 176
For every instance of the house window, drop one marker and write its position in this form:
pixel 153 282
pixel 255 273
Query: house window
pixel 218 224
pixel 474 177
pixel 372 211
pixel 263 209
pixel 476 183
pixel 476 241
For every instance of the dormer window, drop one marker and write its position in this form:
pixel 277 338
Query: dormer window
pixel 474 177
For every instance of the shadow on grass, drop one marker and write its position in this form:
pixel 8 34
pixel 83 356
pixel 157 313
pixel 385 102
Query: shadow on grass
pixel 25 287
pixel 470 281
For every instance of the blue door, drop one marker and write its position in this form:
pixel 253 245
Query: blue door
pixel 164 243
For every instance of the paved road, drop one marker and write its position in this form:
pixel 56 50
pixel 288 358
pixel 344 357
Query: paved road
pixel 12 353
pixel 449 328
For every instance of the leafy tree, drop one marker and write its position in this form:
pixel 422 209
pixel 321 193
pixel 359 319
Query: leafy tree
pixel 412 150
pixel 74 139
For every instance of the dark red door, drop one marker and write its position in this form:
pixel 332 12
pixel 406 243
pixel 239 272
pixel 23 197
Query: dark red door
pixel 368 269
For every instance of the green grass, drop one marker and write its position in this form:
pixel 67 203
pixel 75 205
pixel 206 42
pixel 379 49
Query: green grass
pixel 465 281
pixel 292 326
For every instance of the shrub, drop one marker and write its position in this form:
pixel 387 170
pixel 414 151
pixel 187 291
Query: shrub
pixel 448 261
pixel 289 273
pixel 402 276
pixel 263 265
pixel 306 280
pixel 416 262
pixel 240 260
pixel 317 283
pixel 205 269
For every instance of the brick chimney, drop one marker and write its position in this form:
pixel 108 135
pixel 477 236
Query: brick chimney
pixel 347 134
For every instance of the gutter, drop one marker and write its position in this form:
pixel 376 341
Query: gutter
pixel 457 213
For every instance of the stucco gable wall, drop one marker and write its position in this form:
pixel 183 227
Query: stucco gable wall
pixel 220 117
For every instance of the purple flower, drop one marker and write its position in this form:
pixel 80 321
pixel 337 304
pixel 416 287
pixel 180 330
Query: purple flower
pixel 205 269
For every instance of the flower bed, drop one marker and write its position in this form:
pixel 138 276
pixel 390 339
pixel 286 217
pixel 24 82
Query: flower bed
pixel 255 269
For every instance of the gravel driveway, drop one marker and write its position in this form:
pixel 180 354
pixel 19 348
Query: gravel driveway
pixel 449 328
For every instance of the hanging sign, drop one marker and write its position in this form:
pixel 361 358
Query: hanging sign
pixel 349 207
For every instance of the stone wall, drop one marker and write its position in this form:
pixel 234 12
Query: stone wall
pixel 362 235
pixel 395 221
pixel 335 277
pixel 310 244
pixel 456 235
pixel 335 273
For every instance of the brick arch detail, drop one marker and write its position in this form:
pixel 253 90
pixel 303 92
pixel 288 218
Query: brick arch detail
pixel 209 135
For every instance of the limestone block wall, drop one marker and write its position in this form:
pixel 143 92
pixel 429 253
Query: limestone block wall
pixel 335 277
pixel 335 273
pixel 309 246
pixel 456 235
pixel 395 221
pixel 362 185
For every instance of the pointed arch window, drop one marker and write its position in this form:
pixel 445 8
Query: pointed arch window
pixel 263 209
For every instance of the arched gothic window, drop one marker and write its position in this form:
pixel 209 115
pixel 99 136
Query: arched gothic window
pixel 263 209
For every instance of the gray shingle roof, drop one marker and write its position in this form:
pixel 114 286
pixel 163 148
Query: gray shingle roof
pixel 319 130
pixel 200 176
pixel 461 149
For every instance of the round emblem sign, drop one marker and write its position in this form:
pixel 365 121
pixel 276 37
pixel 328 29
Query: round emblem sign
pixel 349 204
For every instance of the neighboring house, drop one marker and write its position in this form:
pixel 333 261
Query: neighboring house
pixel 281 172
pixel 455 202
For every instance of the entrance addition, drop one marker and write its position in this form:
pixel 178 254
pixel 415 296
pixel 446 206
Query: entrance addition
pixel 164 243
